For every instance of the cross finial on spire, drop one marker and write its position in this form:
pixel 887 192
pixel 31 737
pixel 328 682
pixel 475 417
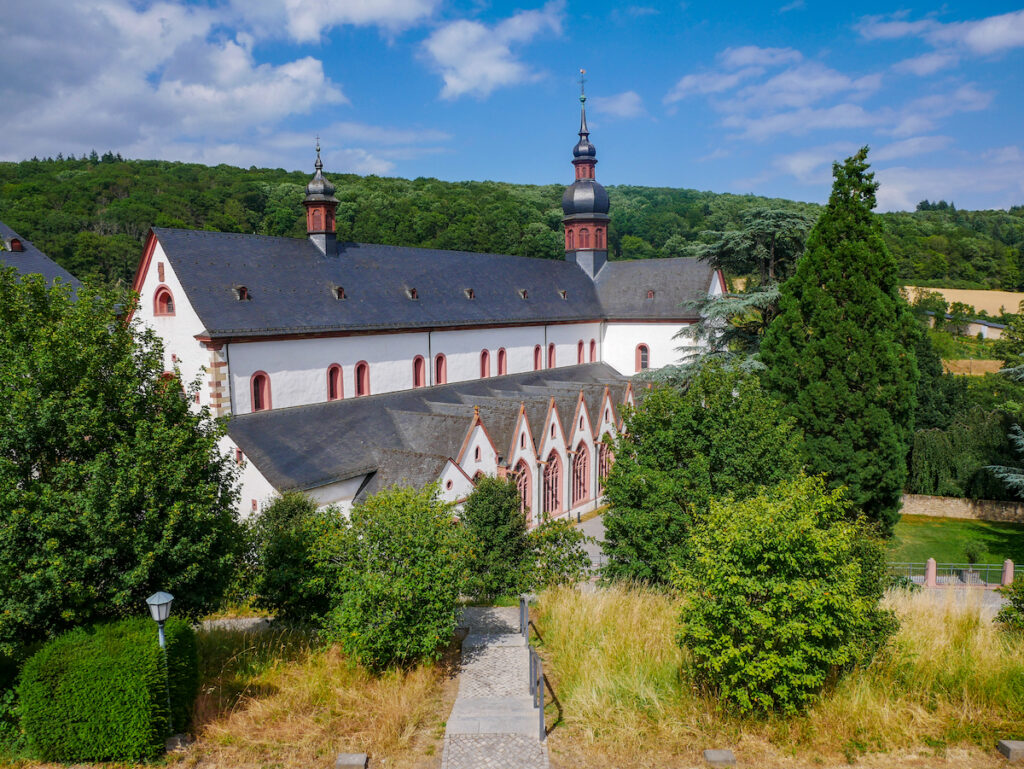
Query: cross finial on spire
pixel 583 80
pixel 319 163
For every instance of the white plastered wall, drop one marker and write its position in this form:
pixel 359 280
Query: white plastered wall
pixel 621 340
pixel 454 485
pixel 177 331
pixel 253 487
pixel 488 461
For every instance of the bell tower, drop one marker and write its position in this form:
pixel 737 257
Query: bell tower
pixel 320 204
pixel 585 203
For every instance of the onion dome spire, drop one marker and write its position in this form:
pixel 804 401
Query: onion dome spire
pixel 583 148
pixel 319 188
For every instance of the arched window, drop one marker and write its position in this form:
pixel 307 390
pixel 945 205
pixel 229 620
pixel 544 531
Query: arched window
pixel 335 388
pixel 362 378
pixel 440 369
pixel 604 464
pixel 579 352
pixel 598 238
pixel 552 429
pixel 593 351
pixel 525 487
pixel 502 362
pixel 643 357
pixel 259 388
pixel 551 355
pixel 538 358
pixel 584 238
pixel 317 220
pixel 650 293
pixel 570 240
pixel 553 484
pixel 163 301
pixel 581 475
pixel 485 364
pixel 522 440
pixel 477 454
pixel 419 372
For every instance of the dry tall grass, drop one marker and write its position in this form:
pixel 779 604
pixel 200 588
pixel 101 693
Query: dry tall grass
pixel 946 688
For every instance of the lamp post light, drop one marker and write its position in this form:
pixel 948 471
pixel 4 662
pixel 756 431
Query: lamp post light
pixel 160 608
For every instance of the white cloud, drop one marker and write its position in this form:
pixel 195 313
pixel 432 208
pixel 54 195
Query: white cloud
pixel 305 21
pixel 990 35
pixel 928 63
pixel 813 165
pixel 916 145
pixel 475 58
pixel 996 177
pixel 709 82
pixel 801 86
pixel 793 6
pixel 923 114
pixel 754 56
pixel 801 121
pixel 625 105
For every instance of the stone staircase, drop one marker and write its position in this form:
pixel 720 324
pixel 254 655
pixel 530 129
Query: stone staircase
pixel 494 723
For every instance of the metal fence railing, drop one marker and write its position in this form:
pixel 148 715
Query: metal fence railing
pixel 536 665
pixel 988 575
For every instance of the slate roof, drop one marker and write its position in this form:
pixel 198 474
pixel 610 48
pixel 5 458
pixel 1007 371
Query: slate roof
pixel 291 286
pixel 623 286
pixel 32 260
pixel 405 437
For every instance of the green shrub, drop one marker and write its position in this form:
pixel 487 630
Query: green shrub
pixel 781 596
pixel 1011 616
pixel 499 548
pixel 397 565
pixel 558 555
pixel 285 578
pixel 101 693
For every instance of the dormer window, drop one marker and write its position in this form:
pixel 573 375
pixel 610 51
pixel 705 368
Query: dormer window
pixel 242 294
pixel 339 292
pixel 563 293
pixel 522 293
pixel 16 245
pixel 412 293
pixel 470 293
pixel 650 293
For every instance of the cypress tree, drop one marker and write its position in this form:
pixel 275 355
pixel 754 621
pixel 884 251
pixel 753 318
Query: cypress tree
pixel 840 354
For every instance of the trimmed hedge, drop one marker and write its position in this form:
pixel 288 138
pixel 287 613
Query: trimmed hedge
pixel 100 693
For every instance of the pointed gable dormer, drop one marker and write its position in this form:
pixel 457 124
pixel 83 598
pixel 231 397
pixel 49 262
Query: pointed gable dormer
pixel 585 203
pixel 320 204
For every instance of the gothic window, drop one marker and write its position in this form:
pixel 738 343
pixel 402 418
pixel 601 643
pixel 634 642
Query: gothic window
pixel 362 378
pixel 440 370
pixel 485 364
pixel 477 454
pixel 598 238
pixel 604 465
pixel 584 238
pixel 502 362
pixel 643 357
pixel 419 372
pixel 259 387
pixel 317 220
pixel 163 302
pixel 579 352
pixel 334 384
pixel 522 475
pixel 538 358
pixel 580 475
pixel 551 355
pixel 570 240
pixel 593 351
pixel 553 484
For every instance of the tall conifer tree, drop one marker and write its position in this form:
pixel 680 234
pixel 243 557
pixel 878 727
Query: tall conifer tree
pixel 840 354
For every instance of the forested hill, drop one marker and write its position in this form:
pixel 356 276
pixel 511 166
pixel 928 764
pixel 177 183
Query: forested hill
pixel 92 215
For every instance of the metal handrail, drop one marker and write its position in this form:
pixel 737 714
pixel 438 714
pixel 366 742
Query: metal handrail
pixel 537 689
pixel 524 617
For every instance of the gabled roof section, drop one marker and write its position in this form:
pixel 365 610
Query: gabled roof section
pixel 31 260
pixel 309 446
pixel 623 288
pixel 292 286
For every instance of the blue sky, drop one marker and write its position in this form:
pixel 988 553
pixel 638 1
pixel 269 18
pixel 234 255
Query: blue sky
pixel 729 97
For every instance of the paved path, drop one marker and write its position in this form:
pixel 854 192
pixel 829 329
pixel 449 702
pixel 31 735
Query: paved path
pixel 494 724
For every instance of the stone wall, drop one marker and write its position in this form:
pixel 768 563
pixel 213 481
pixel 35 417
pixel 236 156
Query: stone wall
pixel 954 507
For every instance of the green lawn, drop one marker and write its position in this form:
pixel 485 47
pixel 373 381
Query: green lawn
pixel 918 538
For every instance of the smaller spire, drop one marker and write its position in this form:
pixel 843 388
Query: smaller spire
pixel 584 149
pixel 319 164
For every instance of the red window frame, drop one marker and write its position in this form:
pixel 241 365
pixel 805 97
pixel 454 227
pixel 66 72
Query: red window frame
pixel 259 391
pixel 163 302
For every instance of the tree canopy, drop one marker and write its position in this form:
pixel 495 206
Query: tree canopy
pixel 840 354
pixel 111 486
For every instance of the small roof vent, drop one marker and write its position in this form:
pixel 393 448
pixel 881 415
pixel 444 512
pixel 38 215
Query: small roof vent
pixel 242 293
pixel 470 293
pixel 339 293
pixel 563 293
pixel 650 293
pixel 412 293
pixel 15 245
pixel 523 294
